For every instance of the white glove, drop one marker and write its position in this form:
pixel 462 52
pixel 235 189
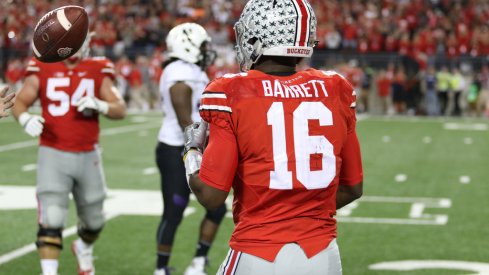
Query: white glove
pixel 33 124
pixel 90 102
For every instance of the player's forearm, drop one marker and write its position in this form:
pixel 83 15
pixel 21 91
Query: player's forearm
pixel 117 110
pixel 19 108
pixel 184 115
pixel 210 198
pixel 346 194
pixel 196 185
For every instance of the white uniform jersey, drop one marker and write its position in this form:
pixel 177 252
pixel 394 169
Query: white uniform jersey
pixel 170 132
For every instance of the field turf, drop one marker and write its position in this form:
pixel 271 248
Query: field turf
pixel 426 192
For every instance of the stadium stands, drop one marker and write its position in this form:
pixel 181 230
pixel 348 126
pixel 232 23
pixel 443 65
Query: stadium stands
pixel 410 34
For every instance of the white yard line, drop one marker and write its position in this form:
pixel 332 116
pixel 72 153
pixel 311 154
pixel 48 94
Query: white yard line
pixel 418 119
pixel 465 126
pixel 30 247
pixel 119 202
pixel 18 145
pixel 392 221
pixel 104 132
pixel 146 202
pixel 443 202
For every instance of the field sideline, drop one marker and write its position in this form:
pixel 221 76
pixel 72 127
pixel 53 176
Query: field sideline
pixel 425 200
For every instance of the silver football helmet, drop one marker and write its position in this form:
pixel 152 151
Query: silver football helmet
pixel 274 28
pixel 185 42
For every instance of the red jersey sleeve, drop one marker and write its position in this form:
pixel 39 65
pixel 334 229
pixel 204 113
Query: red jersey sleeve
pixel 215 107
pixel 33 67
pixel 221 154
pixel 220 159
pixel 107 67
pixel 351 167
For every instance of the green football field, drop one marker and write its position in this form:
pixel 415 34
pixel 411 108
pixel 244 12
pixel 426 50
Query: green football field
pixel 425 207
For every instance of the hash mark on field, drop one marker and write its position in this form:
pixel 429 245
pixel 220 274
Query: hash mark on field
pixel 29 167
pixel 427 140
pixel 143 133
pixel 150 171
pixel 386 139
pixel 468 140
pixel 464 179
pixel 400 178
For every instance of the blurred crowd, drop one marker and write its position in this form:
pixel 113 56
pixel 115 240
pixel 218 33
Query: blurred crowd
pixel 132 33
pixel 449 91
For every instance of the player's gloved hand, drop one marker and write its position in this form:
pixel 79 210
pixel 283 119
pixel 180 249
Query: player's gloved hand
pixel 93 103
pixel 195 137
pixel 33 124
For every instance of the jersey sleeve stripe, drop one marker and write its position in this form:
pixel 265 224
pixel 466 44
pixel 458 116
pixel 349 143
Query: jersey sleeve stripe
pixel 219 108
pixel 109 71
pixel 33 69
pixel 213 95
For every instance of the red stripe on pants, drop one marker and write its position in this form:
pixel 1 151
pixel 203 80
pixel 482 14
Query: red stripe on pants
pixel 232 263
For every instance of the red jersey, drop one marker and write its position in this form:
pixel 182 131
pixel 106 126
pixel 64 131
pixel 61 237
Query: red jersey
pixel 59 90
pixel 283 144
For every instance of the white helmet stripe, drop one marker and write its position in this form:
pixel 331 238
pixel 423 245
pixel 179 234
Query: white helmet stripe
pixel 303 22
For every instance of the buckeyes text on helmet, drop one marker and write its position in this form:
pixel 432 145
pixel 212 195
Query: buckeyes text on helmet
pixel 274 28
pixel 185 40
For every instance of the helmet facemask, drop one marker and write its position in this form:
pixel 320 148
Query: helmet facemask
pixel 207 56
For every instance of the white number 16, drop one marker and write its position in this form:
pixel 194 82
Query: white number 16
pixel 304 146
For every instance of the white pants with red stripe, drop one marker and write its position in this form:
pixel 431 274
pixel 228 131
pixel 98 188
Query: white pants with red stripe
pixel 290 260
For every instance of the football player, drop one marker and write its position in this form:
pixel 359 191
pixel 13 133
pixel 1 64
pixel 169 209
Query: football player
pixel 284 140
pixel 6 102
pixel 72 94
pixel 181 86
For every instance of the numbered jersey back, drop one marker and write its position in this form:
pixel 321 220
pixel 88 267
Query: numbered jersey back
pixel 291 132
pixel 59 90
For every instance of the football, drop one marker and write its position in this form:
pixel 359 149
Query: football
pixel 60 33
